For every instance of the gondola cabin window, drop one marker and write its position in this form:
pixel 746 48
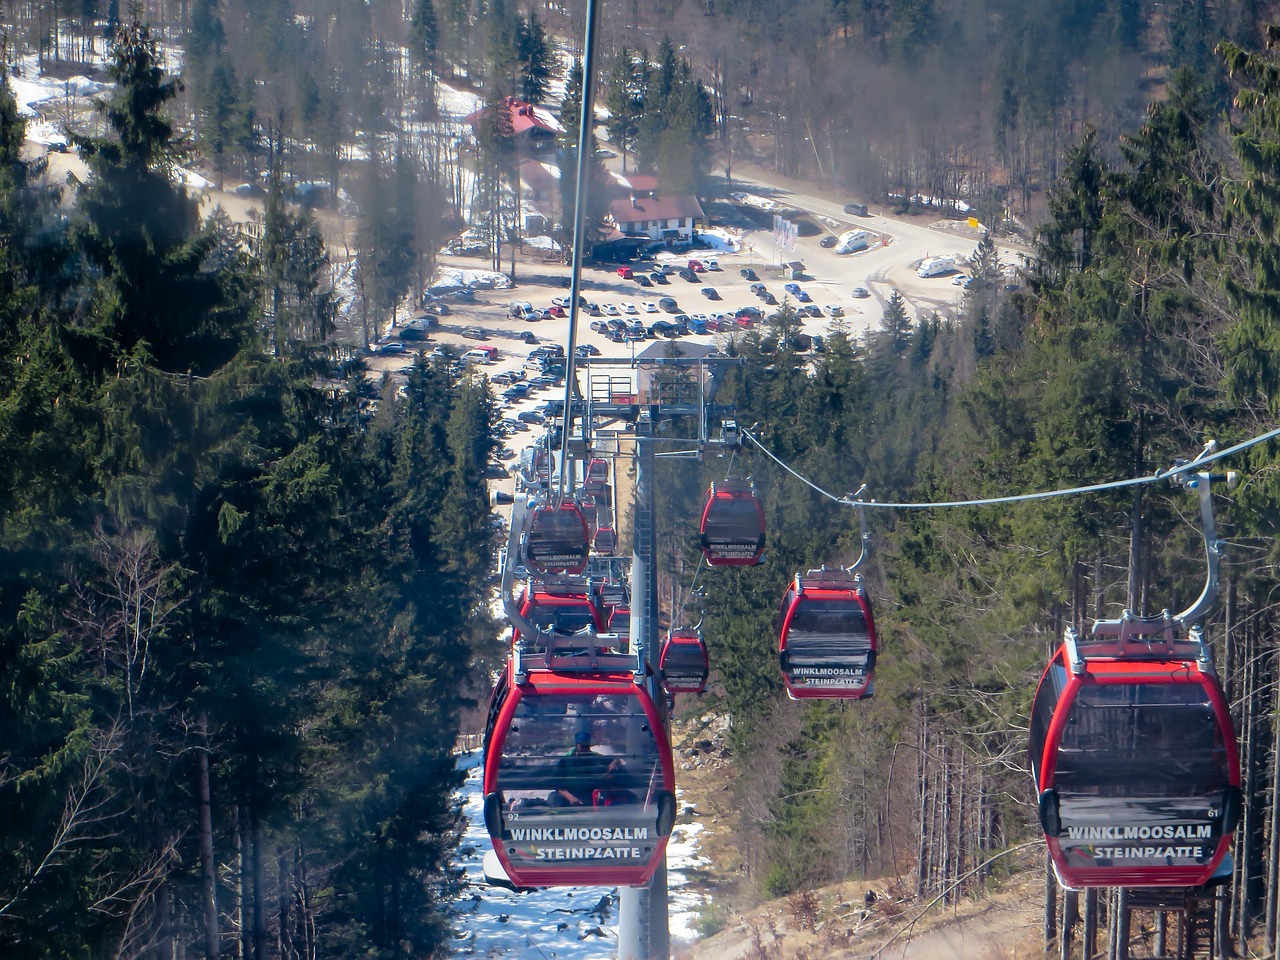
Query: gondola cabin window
pixel 818 628
pixel 1148 740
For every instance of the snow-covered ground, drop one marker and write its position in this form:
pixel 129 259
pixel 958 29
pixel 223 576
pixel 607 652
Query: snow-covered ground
pixel 565 923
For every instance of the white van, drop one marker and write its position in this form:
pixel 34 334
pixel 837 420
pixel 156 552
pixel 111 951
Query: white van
pixel 936 266
pixel 476 356
pixel 521 308
pixel 852 241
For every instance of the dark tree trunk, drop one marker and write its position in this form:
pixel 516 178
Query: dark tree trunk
pixel 208 866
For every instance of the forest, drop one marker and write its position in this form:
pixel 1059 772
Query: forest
pixel 241 585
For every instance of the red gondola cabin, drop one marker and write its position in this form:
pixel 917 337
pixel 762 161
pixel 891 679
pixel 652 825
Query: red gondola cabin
pixel 556 539
pixel 1135 763
pixel 683 663
pixel 578 780
pixel 560 609
pixel 827 637
pixel 596 476
pixel 732 529
pixel 606 542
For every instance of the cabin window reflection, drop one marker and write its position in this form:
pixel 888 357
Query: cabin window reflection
pixel 830 618
pixel 1154 740
pixel 733 520
pixel 545 730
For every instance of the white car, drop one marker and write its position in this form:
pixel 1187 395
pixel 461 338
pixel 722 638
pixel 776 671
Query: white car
pixel 861 292
pixel 960 280
pixel 610 310
pixel 833 310
pixel 629 308
pixel 649 307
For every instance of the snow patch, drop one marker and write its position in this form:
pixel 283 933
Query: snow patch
pixel 476 279
pixel 567 923
pixel 542 243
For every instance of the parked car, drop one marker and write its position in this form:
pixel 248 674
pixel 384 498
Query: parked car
pixel 394 346
pixel 659 277
pixel 769 298
pixel 556 311
pixel 474 333
pixel 530 416
pixel 713 263
pixel 791 288
pixel 669 304
pixel 697 266
pixel 644 281
pixel 710 293
pixel 861 292
pixel 827 242
pixel 599 326
pixel 611 309
pixel 649 307
pixel 625 273
pixel 687 274
pixel 527 336
pixel 833 310
pixel 629 308
pixel 748 274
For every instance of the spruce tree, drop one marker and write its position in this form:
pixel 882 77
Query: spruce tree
pixel 536 58
pixel 139 232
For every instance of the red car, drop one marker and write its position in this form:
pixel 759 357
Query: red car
pixel 625 273
pixel 556 311
pixel 697 266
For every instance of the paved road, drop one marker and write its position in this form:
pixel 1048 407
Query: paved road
pixel 884 267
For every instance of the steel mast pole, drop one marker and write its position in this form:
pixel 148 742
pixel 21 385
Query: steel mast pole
pixel 642 911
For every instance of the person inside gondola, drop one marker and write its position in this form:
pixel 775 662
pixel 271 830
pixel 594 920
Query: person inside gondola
pixel 583 776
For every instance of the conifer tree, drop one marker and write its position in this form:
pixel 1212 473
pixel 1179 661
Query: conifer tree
pixel 625 97
pixel 139 231
pixel 567 159
pixel 536 58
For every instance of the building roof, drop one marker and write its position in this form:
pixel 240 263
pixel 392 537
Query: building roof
pixel 539 176
pixel 629 183
pixel 638 208
pixel 525 117
pixel 679 348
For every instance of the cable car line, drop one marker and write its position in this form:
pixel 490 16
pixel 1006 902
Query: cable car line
pixel 1207 456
